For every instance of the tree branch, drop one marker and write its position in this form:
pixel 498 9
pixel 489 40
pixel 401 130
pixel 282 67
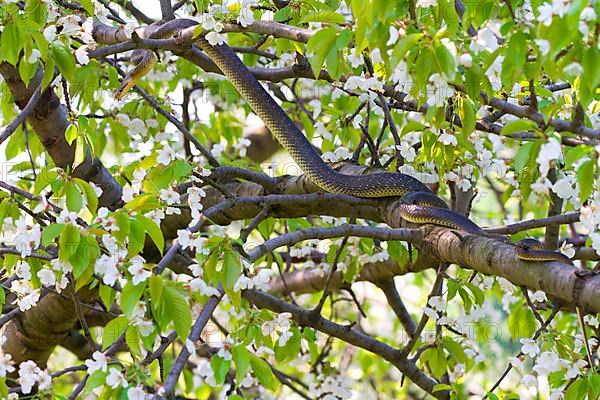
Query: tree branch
pixel 347 334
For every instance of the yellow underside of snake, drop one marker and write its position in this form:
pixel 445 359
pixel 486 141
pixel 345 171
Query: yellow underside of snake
pixel 532 250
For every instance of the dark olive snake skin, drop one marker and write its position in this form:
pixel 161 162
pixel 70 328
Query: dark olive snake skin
pixel 533 250
pixel 419 204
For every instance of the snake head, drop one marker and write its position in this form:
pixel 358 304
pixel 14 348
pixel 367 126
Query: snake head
pixel 423 199
pixel 127 84
pixel 530 244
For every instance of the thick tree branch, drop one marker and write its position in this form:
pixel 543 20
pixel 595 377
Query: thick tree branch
pixel 49 121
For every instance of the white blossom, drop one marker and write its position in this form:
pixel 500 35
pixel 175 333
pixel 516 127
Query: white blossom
pixel 465 59
pixel 136 269
pixel 116 378
pixel 484 40
pixel 99 362
pixel 529 347
pixel 166 155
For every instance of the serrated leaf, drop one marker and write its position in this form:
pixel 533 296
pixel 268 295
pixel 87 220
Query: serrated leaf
pixel 403 46
pixel 68 242
pixel 577 390
pixel 585 178
pixel 64 60
pixel 132 338
pixel 324 17
pixel 263 372
pixel 153 230
pixel 130 296
pixel 143 202
pixel 113 330
pixel 437 362
pixel 446 62
pixel 71 133
pixel 89 7
pixel 11 43
pixel 107 295
pixel 51 232
pixel 179 311
pixel 91 198
pixel 80 260
pixel 241 358
pixel 48 73
pixel 44 178
pixel 136 238
pixel 469 116
pixel 232 269
pixel 73 197
pixel 519 125
pixel 319 46
pixel 220 367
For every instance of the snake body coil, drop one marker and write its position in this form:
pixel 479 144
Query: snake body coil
pixel 533 250
pixel 384 184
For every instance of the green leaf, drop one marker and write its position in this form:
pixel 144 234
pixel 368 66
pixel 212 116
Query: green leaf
pixel 319 46
pixel 73 197
pixel 577 390
pixel 469 116
pixel 11 43
pixel 179 310
pixel 445 60
pixel 89 193
pixel 441 386
pixel 80 260
pixel 514 59
pixel 232 269
pixel 324 17
pixel 403 46
pixel 137 236
pixel 585 178
pixel 87 4
pixel 68 242
pixel 157 302
pixel 64 60
pixel 107 295
pixel 437 362
pixel 594 383
pixel 153 230
pixel 27 71
pixel 143 202
pixel 113 330
pixel 48 73
pixel 241 358
pixel 521 322
pixel 519 125
pixel 46 176
pixel 71 133
pixel 263 372
pixel 132 338
pixel 3 388
pixel 590 79
pixel 220 367
pixel 36 12
pixel 51 232
pixel 130 296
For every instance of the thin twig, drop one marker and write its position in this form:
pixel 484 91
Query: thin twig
pixel 193 337
pixel 33 101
